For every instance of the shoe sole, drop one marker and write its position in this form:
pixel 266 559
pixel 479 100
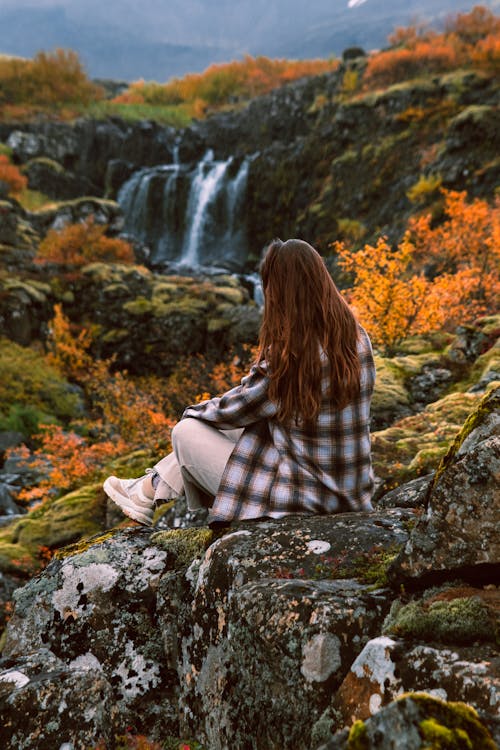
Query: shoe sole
pixel 128 510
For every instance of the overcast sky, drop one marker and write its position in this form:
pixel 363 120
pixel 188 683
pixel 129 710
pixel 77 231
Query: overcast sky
pixel 157 39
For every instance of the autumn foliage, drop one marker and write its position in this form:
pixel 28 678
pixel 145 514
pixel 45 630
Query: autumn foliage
pixel 124 414
pixel 224 83
pixel 470 39
pixel 437 277
pixel 11 176
pixel 82 243
pixel 50 79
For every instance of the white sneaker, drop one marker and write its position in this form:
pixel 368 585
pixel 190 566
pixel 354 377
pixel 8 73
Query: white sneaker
pixel 130 497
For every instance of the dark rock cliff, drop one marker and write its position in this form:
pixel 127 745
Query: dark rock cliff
pixel 323 163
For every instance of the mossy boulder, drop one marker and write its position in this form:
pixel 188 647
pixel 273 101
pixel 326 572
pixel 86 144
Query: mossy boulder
pixel 419 721
pixel 49 177
pixel 414 445
pixel 147 321
pixel 450 615
pixel 55 523
pixel 458 531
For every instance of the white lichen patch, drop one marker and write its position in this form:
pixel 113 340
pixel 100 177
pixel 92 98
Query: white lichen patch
pixel 78 581
pixel 18 679
pixel 85 662
pixel 147 575
pixel 318 546
pixel 321 657
pixel 138 675
pixel 374 703
pixel 374 663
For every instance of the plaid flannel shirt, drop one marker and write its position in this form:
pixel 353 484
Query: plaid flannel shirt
pixel 277 469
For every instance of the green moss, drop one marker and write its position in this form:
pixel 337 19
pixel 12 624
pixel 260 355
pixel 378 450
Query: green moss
pixel 416 444
pixel 389 385
pixel 114 334
pixel 37 290
pixel 46 162
pixel 140 306
pixel 215 325
pixel 84 544
pixel 26 379
pixel 54 524
pixel 442 738
pixel 489 403
pixel 463 721
pixel 457 621
pixel 372 566
pixel 184 544
pixel 116 273
pixel 186 305
pixel 5 150
pixel 358 737
pixel 230 294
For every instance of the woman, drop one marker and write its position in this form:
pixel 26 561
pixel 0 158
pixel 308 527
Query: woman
pixel 294 436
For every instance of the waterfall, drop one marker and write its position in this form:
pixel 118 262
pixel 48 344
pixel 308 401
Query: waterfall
pixel 189 217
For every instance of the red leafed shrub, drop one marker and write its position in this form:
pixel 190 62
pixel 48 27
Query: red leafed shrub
pixel 82 243
pixel 11 175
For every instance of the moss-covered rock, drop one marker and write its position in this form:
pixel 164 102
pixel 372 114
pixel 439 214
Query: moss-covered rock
pixel 184 545
pixel 414 445
pixel 419 721
pixel 28 381
pixel 79 514
pixel 458 530
pixel 448 616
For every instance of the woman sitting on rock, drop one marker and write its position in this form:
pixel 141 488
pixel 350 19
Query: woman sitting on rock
pixel 294 437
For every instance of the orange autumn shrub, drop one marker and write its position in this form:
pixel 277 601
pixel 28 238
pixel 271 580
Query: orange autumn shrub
pixel 68 350
pixel 71 460
pixel 467 240
pixel 394 65
pixel 486 54
pixel 11 176
pixel 82 243
pixel 388 297
pixel 469 39
pixel 395 298
pixel 471 27
pixel 224 83
pixel 50 79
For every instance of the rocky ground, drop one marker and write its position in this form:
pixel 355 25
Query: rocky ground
pixel 275 634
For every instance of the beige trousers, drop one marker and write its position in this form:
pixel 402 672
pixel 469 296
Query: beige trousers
pixel 196 464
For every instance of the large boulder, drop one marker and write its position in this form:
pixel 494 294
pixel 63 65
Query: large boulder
pixel 172 633
pixel 96 611
pixel 458 533
pixel 417 722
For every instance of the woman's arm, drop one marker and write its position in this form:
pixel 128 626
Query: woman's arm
pixel 239 407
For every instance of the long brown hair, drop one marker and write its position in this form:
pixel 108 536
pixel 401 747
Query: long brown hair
pixel 304 313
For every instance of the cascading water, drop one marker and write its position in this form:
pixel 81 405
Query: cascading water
pixel 189 217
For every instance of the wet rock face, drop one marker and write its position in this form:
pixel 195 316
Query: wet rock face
pixel 86 147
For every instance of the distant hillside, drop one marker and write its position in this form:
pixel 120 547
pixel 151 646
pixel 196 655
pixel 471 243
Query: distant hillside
pixel 158 40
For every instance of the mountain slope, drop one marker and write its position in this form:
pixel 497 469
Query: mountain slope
pixel 158 40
